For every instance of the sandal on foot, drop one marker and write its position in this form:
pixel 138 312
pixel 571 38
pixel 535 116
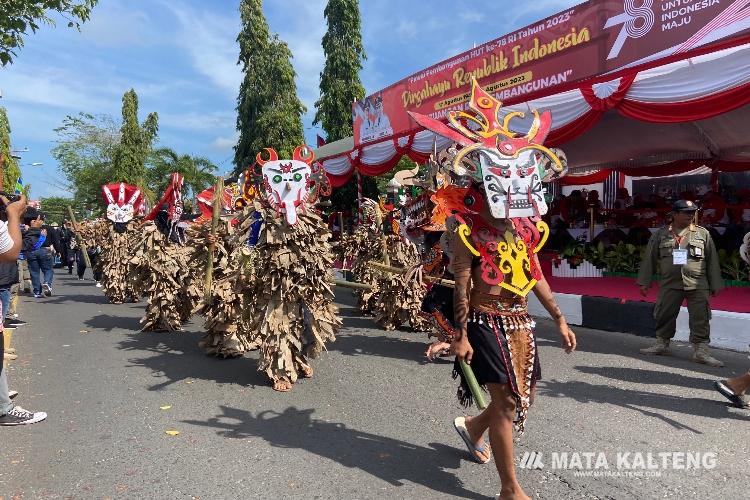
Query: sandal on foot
pixel 460 425
pixel 736 399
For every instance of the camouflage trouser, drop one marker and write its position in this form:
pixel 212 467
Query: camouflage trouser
pixel 668 307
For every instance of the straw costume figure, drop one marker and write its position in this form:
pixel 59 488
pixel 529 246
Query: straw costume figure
pixel 361 247
pixel 399 296
pixel 290 314
pixel 159 264
pixel 227 335
pixel 123 203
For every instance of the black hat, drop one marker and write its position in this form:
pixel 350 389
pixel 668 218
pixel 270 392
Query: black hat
pixel 684 206
pixel 31 214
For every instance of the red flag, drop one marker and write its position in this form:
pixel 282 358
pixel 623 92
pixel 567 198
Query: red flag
pixel 321 141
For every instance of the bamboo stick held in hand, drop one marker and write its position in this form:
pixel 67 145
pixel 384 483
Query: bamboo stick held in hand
pixel 80 240
pixel 471 381
pixel 219 189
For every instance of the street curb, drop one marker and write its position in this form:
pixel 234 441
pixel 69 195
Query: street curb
pixel 729 330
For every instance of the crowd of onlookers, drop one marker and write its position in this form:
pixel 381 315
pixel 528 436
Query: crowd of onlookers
pixel 30 249
pixel 725 215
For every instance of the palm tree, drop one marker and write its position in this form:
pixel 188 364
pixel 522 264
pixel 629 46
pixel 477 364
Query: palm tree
pixel 197 171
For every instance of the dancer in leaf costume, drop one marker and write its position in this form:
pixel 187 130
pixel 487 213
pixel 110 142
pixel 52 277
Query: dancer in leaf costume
pixel 359 249
pixel 123 203
pixel 159 265
pixel 227 335
pixel 289 308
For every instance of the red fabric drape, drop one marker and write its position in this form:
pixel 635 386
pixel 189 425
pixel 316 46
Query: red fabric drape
pixel 573 129
pixel 685 111
pixel 732 166
pixel 339 180
pixel 614 99
pixel 580 180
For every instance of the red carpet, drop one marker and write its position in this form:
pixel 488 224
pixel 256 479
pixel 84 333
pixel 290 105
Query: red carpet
pixel 729 299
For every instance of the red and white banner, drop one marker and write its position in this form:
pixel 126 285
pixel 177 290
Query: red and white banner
pixel 595 38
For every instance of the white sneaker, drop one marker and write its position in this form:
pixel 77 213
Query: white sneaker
pixel 98 285
pixel 19 416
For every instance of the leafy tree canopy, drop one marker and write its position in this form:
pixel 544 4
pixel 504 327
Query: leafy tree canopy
pixel 339 81
pixel 18 17
pixel 9 165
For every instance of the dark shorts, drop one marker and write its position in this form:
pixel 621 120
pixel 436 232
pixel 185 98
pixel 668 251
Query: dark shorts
pixel 493 361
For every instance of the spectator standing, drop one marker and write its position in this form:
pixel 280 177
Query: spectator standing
pixel 67 253
pixel 39 251
pixel 8 279
pixel 688 264
pixel 10 246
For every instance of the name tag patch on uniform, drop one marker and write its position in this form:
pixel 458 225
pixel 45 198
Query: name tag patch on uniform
pixel 679 256
pixel 698 251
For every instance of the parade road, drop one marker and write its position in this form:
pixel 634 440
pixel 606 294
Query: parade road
pixel 148 415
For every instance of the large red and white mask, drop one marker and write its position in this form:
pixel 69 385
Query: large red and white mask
pixel 123 201
pixel 510 166
pixel 512 186
pixel 285 182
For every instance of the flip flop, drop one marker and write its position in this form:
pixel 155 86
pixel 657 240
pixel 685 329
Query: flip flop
pixel 460 425
pixel 736 399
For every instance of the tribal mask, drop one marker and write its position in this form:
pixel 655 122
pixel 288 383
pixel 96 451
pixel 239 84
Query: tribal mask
pixel 289 184
pixel 129 202
pixel 509 166
pixel 171 203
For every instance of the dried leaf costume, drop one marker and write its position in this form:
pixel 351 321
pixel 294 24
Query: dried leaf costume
pixel 359 249
pixel 291 314
pixel 123 203
pixel 499 222
pixel 226 330
pixel 159 264
pixel 400 296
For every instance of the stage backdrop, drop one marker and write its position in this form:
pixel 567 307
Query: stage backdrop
pixel 591 39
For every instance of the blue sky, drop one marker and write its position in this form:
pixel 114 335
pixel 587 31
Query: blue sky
pixel 180 56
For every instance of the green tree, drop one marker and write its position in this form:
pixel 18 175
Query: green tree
pixel 198 172
pixel 340 85
pixel 129 162
pixel 8 164
pixel 269 112
pixel 17 17
pixel 84 151
pixel 253 40
pixel 281 119
pixel 56 209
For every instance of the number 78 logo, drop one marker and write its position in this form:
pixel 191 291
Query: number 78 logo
pixel 642 16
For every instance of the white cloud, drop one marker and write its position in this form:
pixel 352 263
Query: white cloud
pixel 210 41
pixel 225 143
pixel 406 29
pixel 471 16
pixel 56 87
pixel 116 24
pixel 197 121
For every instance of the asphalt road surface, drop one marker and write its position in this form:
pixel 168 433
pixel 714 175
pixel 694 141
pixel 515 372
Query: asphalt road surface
pixel 374 422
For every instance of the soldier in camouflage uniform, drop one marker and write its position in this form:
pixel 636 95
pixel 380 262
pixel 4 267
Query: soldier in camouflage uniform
pixel 688 265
